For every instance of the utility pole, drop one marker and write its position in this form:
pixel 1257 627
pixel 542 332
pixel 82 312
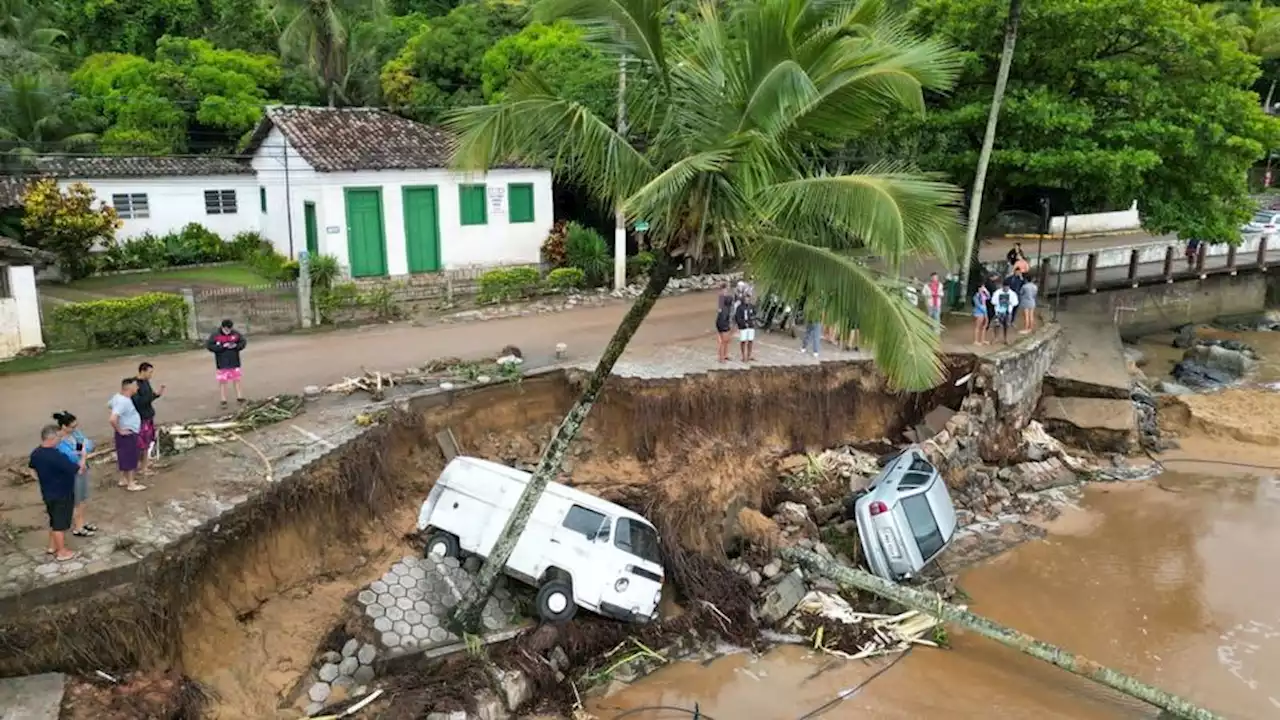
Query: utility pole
pixel 620 221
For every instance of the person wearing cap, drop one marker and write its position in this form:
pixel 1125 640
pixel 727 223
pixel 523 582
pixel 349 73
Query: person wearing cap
pixel 226 343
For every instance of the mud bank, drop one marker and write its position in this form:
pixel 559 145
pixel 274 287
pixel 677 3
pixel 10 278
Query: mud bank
pixel 243 603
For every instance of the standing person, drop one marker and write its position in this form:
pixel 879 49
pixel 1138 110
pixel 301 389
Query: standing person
pixel 144 400
pixel 127 423
pixel 1005 301
pixel 1027 301
pixel 981 318
pixel 77 448
pixel 933 292
pixel 1015 282
pixel 745 320
pixel 992 284
pixel 57 476
pixel 226 343
pixel 1015 254
pixel 812 340
pixel 724 314
pixel 1193 249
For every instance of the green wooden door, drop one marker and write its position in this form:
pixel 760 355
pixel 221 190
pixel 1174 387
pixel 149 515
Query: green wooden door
pixel 421 229
pixel 366 241
pixel 313 232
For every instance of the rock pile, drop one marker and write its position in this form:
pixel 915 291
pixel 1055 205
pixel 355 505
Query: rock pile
pixel 1211 364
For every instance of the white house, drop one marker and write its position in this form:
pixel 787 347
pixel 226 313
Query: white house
pixel 373 189
pixel 161 195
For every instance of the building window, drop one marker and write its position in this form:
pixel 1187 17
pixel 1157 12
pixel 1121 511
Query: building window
pixel 472 205
pixel 131 206
pixel 520 202
pixel 262 198
pixel 220 202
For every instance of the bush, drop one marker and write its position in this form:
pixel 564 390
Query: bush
pixel 585 249
pixel 508 284
pixel 640 264
pixel 244 245
pixel 67 224
pixel 128 322
pixel 194 245
pixel 324 271
pixel 562 279
pixel 331 302
pixel 144 252
pixel 553 250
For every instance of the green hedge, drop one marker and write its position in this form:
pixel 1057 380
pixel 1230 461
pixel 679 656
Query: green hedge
pixel 509 284
pixel 128 322
pixel 566 278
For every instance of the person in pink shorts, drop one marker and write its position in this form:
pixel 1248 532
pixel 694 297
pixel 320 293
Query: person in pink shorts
pixel 226 343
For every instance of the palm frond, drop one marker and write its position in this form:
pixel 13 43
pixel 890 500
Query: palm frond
pixel 629 27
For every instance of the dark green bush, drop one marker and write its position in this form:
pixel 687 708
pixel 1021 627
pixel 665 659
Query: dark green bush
pixel 128 322
pixel 245 245
pixel 569 278
pixel 640 264
pixel 585 249
pixel 325 270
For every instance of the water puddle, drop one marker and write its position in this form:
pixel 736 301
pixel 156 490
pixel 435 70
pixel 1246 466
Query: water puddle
pixel 1173 581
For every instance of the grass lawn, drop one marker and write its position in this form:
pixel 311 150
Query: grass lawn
pixel 233 275
pixel 57 359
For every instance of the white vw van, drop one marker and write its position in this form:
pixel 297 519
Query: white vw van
pixel 577 549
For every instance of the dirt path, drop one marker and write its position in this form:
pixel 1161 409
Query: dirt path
pixel 280 364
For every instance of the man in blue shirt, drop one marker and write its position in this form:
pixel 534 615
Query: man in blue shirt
pixel 57 476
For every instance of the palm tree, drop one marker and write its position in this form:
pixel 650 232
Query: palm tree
pixel 318 32
pixel 989 141
pixel 33 121
pixel 729 120
pixel 26 34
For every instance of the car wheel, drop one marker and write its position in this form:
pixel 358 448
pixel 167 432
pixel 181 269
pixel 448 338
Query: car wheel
pixel 555 601
pixel 442 545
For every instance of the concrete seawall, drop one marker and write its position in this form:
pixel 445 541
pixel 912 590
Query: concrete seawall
pixel 1153 308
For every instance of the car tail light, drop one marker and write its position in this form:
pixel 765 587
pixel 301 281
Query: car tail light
pixel 878 508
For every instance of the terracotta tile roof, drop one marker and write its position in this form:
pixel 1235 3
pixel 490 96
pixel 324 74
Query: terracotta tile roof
pixel 103 166
pixel 344 139
pixel 11 190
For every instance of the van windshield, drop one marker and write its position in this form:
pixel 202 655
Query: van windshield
pixel 638 539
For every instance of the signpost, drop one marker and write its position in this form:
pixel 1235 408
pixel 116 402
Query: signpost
pixel 642 226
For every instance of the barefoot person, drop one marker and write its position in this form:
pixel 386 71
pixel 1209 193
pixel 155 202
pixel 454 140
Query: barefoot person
pixel 77 448
pixel 981 318
pixel 144 400
pixel 933 292
pixel 724 314
pixel 1027 301
pixel 57 476
pixel 226 343
pixel 127 423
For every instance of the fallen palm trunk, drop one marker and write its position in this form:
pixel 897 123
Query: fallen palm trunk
pixel 930 603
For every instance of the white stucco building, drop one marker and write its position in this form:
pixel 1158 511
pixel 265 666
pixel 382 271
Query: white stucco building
pixel 373 190
pixel 19 310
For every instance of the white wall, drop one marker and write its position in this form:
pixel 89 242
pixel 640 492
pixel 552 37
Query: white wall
pixel 20 314
pixel 498 242
pixel 1097 222
pixel 173 202
pixel 303 185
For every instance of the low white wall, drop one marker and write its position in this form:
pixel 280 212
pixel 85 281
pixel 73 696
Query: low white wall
pixel 20 313
pixel 1089 223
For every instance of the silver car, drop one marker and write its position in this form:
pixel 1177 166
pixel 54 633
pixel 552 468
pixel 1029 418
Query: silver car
pixel 1264 221
pixel 906 518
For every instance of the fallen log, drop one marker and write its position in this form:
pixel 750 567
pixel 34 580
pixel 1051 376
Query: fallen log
pixel 931 604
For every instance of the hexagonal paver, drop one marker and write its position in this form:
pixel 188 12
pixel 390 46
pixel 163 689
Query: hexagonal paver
pixel 413 617
pixel 375 611
pixel 364 675
pixel 328 672
pixel 396 591
pixel 399 569
pixel 422 606
pixel 431 620
pixel 401 628
pixel 448 602
pixel 366 655
pixel 404 603
pixel 421 632
pixel 390 639
pixel 378 586
pixel 395 614
pixel 367 597
pixel 385 600
pixel 491 622
pixel 438 634
pixel 417 573
pixel 382 624
pixel 407 581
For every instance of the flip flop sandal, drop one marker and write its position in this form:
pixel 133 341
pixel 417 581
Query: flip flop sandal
pixel 136 487
pixel 91 527
pixel 82 532
pixel 68 558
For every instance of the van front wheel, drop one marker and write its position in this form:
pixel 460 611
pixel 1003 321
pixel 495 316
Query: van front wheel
pixel 555 601
pixel 442 545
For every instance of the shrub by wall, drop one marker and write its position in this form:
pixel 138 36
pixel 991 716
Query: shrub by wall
pixel 127 322
pixel 508 284
pixel 562 279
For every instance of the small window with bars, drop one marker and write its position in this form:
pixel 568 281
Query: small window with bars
pixel 220 202
pixel 130 206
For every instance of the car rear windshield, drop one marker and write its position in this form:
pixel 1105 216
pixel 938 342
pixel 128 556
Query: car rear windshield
pixel 1263 217
pixel 924 526
pixel 638 539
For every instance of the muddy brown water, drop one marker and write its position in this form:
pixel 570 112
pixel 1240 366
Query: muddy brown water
pixel 1173 581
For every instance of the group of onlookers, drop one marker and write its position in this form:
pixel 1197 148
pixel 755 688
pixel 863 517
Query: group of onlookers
pixel 61 462
pixel 1000 301
pixel 736 309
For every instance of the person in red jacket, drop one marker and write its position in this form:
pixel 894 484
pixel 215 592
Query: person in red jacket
pixel 226 343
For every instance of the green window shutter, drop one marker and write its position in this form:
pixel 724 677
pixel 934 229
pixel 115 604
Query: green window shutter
pixel 520 203
pixel 262 198
pixel 471 205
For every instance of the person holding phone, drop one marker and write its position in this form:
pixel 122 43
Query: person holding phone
pixel 127 423
pixel 144 401
pixel 77 448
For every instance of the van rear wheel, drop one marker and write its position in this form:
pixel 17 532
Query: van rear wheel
pixel 442 545
pixel 555 601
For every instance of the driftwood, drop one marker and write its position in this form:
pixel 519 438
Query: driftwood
pixel 931 604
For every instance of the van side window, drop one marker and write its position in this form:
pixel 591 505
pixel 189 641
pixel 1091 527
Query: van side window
pixel 638 539
pixel 924 526
pixel 582 520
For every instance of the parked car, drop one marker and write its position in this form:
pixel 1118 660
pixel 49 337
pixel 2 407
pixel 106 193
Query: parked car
pixel 578 550
pixel 906 517
pixel 1264 221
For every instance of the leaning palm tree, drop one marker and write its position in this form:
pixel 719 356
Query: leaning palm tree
pixel 318 33
pixel 725 161
pixel 34 120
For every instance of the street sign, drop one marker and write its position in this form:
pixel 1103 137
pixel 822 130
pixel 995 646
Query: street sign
pixel 641 225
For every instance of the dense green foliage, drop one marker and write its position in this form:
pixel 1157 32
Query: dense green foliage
pixel 139 321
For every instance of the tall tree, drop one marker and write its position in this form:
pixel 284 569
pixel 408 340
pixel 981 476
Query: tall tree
pixel 35 118
pixel 988 142
pixel 318 33
pixel 29 42
pixel 720 163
